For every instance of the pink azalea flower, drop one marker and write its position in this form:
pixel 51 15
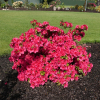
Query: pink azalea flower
pixel 6 83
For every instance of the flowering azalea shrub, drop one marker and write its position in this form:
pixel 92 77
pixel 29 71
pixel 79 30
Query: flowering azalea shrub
pixel 48 53
pixel 91 5
pixel 54 3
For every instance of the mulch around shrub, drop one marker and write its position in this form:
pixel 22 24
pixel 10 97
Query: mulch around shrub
pixel 86 88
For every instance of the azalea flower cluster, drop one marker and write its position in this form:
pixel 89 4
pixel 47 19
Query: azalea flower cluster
pixel 77 33
pixel 47 53
pixel 66 24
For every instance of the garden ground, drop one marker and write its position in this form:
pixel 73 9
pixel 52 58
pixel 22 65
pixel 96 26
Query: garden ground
pixel 13 23
pixel 86 88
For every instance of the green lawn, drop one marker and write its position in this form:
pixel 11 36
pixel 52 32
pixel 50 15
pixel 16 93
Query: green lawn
pixel 13 23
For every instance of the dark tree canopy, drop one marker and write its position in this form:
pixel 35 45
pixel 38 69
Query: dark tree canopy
pixel 5 0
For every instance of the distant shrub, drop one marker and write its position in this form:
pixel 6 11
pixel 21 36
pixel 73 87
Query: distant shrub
pixel 98 9
pixel 92 8
pixel 45 4
pixel 91 5
pixel 32 5
pixel 38 5
pixel 72 7
pixel 2 5
pixel 17 4
pixel 54 3
pixel 76 6
pixel 62 5
pixel 81 8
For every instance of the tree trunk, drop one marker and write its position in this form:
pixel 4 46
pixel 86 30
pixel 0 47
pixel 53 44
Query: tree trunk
pixel 98 2
pixel 85 5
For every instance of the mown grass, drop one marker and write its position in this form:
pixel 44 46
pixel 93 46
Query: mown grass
pixel 13 23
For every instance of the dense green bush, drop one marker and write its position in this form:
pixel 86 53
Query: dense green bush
pixel 62 6
pixel 98 9
pixel 72 7
pixel 49 1
pixel 45 4
pixel 92 8
pixel 2 5
pixel 81 8
pixel 38 5
pixel 32 5
pixel 76 6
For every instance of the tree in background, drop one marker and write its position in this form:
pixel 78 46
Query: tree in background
pixel 47 1
pixel 85 5
pixel 45 4
pixel 6 3
pixel 5 0
pixel 12 1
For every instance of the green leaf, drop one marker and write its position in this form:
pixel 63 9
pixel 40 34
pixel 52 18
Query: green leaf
pixel 66 57
pixel 48 39
pixel 77 59
pixel 38 34
pixel 62 57
pixel 58 72
pixel 65 71
pixel 42 73
pixel 51 42
pixel 54 70
pixel 80 71
pixel 73 46
pixel 28 80
pixel 67 76
pixel 44 56
pixel 76 67
pixel 67 64
pixel 76 75
pixel 50 75
pixel 58 83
